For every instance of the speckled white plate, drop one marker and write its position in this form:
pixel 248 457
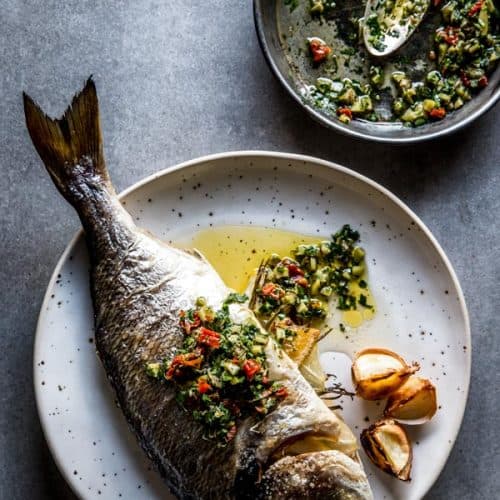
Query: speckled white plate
pixel 421 312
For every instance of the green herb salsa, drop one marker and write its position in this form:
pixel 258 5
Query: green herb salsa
pixel 463 49
pixel 220 373
pixel 300 288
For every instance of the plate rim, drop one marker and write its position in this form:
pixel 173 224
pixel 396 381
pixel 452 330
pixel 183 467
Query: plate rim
pixel 345 129
pixel 59 461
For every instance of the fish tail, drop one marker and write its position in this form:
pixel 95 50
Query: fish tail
pixel 71 146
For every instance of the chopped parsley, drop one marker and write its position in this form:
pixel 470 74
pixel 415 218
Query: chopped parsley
pixel 235 298
pixel 376 34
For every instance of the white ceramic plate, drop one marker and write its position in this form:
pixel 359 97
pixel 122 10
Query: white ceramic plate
pixel 421 312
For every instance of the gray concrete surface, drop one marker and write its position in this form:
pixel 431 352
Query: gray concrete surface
pixel 181 79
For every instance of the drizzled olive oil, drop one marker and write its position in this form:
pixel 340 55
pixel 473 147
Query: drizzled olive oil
pixel 237 251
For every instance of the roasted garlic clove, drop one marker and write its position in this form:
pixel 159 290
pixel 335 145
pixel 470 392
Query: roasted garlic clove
pixel 412 403
pixel 388 447
pixel 378 372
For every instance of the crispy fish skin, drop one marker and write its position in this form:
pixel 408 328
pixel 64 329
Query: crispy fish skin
pixel 325 474
pixel 139 285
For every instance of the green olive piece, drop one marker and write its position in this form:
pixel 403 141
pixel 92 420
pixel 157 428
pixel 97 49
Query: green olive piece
pixel 358 270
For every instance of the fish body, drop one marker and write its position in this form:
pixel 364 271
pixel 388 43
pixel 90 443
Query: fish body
pixel 139 285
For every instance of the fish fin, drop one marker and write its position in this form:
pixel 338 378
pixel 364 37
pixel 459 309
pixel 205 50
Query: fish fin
pixel 71 146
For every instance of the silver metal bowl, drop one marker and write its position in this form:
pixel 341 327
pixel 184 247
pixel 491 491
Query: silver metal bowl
pixel 266 23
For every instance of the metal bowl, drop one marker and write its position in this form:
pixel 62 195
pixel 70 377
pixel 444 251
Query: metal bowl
pixel 266 23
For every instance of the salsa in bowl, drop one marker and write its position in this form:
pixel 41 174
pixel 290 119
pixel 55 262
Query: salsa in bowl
pixel 444 77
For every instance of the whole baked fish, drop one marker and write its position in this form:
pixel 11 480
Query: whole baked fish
pixel 139 287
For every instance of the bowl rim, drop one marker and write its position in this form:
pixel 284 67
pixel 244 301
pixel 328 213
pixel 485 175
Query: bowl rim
pixel 344 129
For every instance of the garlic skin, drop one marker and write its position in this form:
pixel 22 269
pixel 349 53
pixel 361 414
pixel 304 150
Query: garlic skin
pixel 377 372
pixel 387 445
pixel 413 403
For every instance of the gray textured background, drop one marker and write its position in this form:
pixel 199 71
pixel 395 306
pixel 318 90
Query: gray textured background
pixel 178 80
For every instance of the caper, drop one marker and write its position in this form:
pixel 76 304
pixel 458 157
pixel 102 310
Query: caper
pixel 201 301
pixel 358 254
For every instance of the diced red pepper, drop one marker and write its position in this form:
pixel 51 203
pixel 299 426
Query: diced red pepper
pixel 483 81
pixel 345 111
pixel 188 325
pixel 209 338
pixel 476 8
pixel 268 288
pixel 189 360
pixel 251 368
pixel 203 386
pixel 449 35
pixel 294 270
pixel 319 50
pixel 465 79
pixel 438 113
pixel 300 280
pixel 282 393
pixel 273 291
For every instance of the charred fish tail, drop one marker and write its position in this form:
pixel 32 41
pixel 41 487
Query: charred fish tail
pixel 71 146
pixel 72 151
